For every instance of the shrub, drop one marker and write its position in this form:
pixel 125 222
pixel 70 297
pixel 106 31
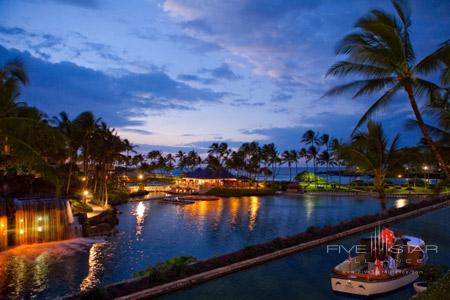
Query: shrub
pixel 79 206
pixel 440 289
pixel 118 197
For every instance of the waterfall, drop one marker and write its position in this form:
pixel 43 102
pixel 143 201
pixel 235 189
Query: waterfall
pixel 3 225
pixel 38 220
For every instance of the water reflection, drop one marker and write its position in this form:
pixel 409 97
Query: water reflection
pixel 25 271
pixel 95 267
pixel 203 229
pixel 253 212
pixel 401 202
pixel 309 207
pixel 140 213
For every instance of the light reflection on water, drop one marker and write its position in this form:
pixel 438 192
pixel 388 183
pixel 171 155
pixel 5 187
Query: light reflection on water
pixel 140 213
pixel 150 232
pixel 401 202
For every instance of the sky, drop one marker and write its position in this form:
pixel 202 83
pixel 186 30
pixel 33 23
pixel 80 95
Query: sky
pixel 176 74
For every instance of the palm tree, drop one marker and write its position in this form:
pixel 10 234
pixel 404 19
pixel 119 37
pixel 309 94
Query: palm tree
pixel 21 127
pixel 66 126
pixel 289 157
pixel 371 152
pixel 85 125
pixel 304 154
pixel 381 52
pixel 295 157
pixel 334 147
pixel 326 159
pixel 313 152
pixel 309 137
pixel 181 156
pixel 169 162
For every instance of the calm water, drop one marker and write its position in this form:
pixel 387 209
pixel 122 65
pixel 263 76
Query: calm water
pixel 150 232
pixel 307 275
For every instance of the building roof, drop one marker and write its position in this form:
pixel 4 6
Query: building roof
pixel 209 174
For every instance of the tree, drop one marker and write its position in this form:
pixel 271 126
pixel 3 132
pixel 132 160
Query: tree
pixel 371 152
pixel 313 152
pixel 304 154
pixel 24 131
pixel 382 53
pixel 289 157
pixel 326 159
pixel 182 163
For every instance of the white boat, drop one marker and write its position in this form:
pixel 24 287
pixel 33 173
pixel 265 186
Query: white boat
pixel 177 200
pixel 356 275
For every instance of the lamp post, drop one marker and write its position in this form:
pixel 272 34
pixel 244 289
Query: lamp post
pixel 425 168
pixel 141 184
pixel 85 194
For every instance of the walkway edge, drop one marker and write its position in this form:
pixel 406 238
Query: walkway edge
pixel 222 271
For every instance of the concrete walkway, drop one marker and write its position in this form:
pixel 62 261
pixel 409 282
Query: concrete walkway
pixel 96 210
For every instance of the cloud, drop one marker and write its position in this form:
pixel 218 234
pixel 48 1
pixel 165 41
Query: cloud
pixel 119 100
pixel 222 72
pixel 281 97
pixel 276 33
pixel 195 78
pixel 138 131
pixel 90 4
pixel 193 44
pixel 246 102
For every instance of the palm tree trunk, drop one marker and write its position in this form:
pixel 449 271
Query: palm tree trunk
pixel 425 132
pixel 69 178
pixel 379 185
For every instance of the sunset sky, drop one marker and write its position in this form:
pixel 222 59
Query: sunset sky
pixel 180 74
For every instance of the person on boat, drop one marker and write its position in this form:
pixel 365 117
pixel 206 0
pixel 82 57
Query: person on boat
pixel 387 236
pixel 377 267
pixel 392 265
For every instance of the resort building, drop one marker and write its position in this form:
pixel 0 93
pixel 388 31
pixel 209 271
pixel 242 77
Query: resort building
pixel 201 179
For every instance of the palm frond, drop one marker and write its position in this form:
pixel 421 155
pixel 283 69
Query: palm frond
pixel 422 86
pixel 343 68
pixel 381 102
pixel 435 60
pixel 373 85
pixel 366 86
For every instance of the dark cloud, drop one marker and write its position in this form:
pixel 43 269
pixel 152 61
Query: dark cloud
pixel 139 131
pixel 195 45
pixel 195 78
pixel 68 87
pixel 222 72
pixel 281 97
pixel 90 4
pixel 246 102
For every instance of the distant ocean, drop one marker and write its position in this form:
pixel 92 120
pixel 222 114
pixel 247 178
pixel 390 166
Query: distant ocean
pixel 283 175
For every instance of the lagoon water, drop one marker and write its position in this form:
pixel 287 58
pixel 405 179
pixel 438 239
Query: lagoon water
pixel 307 275
pixel 150 232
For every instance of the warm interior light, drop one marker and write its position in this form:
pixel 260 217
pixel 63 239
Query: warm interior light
pixel 85 192
pixel 141 176
pixel 21 231
pixel 399 176
pixel 83 178
pixel 39 229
